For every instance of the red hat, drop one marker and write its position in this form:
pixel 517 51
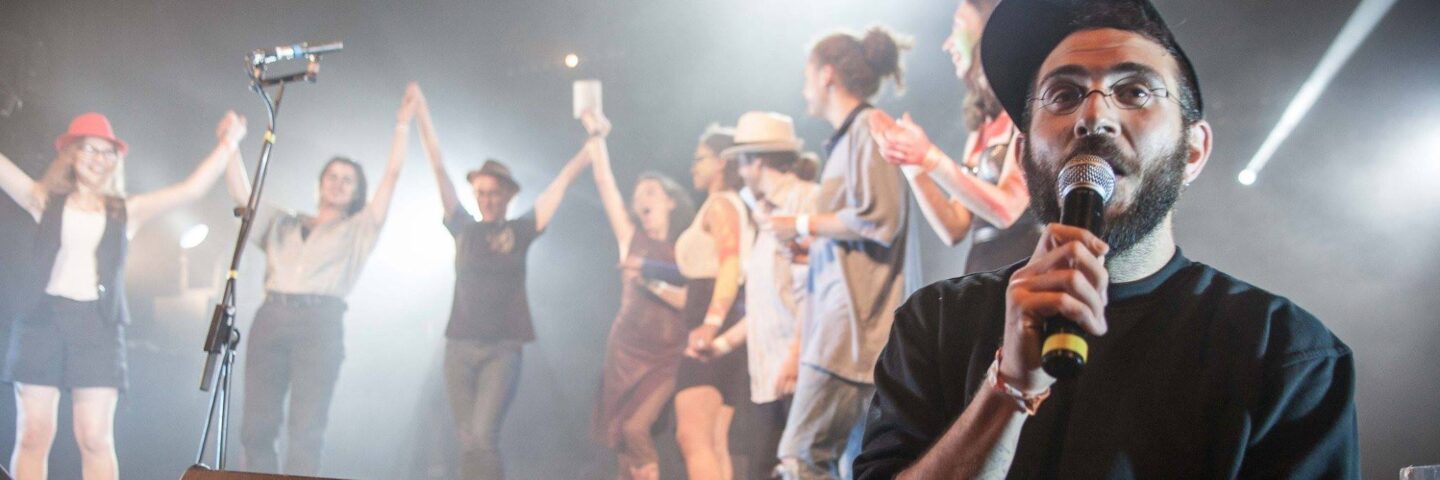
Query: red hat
pixel 90 125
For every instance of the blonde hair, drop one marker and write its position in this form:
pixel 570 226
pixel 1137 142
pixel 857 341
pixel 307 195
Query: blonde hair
pixel 59 177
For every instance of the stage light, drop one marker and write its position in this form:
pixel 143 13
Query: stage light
pixel 194 236
pixel 1247 177
pixel 1360 24
pixel 572 60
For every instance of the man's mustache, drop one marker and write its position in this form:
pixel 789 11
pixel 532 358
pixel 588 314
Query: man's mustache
pixel 1104 147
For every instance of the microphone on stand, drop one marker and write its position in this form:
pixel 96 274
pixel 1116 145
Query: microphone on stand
pixel 288 52
pixel 1086 183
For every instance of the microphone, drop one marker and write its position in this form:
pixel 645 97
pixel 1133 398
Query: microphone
pixel 1086 182
pixel 288 52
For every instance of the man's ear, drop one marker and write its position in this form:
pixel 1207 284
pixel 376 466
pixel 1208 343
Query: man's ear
pixel 1199 138
pixel 1020 151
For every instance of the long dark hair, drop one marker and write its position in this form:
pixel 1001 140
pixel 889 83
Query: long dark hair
pixel 357 202
pixel 862 63
pixel 684 211
pixel 981 105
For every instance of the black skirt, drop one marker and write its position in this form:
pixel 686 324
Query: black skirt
pixel 66 344
pixel 730 374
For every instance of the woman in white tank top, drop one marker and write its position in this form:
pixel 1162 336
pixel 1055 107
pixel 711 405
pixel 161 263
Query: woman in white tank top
pixel 72 336
pixel 710 254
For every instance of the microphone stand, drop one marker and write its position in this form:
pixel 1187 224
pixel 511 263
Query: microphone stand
pixel 223 339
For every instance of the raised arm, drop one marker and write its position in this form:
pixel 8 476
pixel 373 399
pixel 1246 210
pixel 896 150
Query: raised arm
pixel 905 143
pixel 19 186
pixel 1000 204
pixel 237 181
pixel 431 143
pixel 379 205
pixel 549 200
pixel 146 206
pixel 610 197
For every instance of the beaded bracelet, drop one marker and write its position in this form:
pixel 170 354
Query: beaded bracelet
pixel 1028 403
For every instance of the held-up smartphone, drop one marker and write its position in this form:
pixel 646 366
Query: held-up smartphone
pixel 587 97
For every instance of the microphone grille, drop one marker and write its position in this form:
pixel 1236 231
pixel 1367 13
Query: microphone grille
pixel 1087 171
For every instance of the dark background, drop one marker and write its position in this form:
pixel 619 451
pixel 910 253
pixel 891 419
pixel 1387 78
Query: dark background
pixel 1343 221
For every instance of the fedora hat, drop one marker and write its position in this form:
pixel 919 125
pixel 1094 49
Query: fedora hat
pixel 494 168
pixel 763 132
pixel 90 125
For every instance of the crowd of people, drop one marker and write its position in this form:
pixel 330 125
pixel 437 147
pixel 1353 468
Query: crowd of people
pixel 773 317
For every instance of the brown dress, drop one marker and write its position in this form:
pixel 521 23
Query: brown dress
pixel 644 349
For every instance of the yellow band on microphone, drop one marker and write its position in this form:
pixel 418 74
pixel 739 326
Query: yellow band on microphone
pixel 1066 341
pixel 270 137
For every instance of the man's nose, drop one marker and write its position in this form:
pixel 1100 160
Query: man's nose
pixel 1096 117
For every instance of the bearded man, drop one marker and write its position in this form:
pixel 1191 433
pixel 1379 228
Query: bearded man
pixel 1191 373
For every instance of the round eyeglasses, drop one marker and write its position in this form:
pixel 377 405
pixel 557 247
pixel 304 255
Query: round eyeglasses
pixel 1066 98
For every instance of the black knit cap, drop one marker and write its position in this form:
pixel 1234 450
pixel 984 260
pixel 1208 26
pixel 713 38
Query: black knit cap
pixel 1021 34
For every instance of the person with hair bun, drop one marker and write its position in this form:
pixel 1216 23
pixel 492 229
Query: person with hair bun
pixel 857 254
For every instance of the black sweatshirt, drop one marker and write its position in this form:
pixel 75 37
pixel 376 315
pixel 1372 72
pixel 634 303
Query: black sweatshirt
pixel 1201 375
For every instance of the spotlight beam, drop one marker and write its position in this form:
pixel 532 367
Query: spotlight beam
pixel 1367 14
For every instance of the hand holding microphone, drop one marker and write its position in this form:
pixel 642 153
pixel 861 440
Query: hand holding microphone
pixel 1059 296
pixel 1065 277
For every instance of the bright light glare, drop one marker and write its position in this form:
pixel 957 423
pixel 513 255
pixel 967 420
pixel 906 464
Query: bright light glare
pixel 194 236
pixel 1366 15
pixel 1247 177
pixel 572 60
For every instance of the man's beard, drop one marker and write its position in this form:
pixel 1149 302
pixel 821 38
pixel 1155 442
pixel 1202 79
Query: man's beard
pixel 1158 191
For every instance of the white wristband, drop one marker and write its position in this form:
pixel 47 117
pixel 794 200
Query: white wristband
pixel 657 287
pixel 912 171
pixel 714 320
pixel 722 346
pixel 802 225
pixel 932 158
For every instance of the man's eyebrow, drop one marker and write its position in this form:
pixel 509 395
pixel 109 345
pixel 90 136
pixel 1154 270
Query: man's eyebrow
pixel 1071 70
pixel 1132 68
pixel 1124 68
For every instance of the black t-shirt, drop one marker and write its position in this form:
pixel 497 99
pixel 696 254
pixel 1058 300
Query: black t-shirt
pixel 1201 375
pixel 490 302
